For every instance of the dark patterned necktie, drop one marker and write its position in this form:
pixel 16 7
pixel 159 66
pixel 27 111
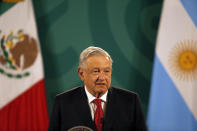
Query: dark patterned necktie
pixel 98 115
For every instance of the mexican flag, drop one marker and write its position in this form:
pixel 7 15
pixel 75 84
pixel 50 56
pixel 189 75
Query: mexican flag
pixel 22 93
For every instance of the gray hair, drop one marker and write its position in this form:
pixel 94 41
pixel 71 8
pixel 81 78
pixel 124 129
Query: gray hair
pixel 91 51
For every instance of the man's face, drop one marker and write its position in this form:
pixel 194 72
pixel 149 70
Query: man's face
pixel 96 74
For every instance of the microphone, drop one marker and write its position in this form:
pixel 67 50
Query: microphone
pixel 80 128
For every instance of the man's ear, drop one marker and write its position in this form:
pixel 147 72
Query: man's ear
pixel 81 73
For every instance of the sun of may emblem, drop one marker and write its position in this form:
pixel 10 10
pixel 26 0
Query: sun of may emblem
pixel 18 51
pixel 183 60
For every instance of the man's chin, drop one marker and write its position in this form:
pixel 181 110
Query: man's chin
pixel 101 90
pixel 102 87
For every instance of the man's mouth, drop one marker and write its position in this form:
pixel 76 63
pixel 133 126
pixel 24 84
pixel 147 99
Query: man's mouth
pixel 100 83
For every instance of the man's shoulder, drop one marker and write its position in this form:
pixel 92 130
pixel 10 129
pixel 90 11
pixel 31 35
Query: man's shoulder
pixel 123 96
pixel 122 92
pixel 71 92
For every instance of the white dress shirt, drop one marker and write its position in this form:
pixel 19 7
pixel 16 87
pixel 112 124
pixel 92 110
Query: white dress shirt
pixel 92 105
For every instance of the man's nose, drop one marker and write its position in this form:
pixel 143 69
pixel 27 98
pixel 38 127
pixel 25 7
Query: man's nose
pixel 101 76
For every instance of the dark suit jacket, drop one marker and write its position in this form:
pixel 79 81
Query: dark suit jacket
pixel 123 111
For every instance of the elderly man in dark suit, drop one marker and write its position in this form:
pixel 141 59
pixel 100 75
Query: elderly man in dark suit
pixel 96 106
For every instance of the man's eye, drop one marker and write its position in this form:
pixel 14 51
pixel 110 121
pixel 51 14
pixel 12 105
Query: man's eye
pixel 107 70
pixel 95 71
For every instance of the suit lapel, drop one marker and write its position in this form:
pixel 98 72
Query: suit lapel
pixel 84 109
pixel 110 108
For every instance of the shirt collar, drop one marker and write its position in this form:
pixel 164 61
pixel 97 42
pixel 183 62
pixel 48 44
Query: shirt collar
pixel 91 97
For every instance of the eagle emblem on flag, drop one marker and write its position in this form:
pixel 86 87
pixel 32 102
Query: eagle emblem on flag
pixel 18 52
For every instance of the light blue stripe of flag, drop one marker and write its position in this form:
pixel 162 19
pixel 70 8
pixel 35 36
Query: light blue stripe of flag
pixel 167 109
pixel 191 8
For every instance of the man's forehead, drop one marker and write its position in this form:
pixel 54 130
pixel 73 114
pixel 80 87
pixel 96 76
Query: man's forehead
pixel 103 67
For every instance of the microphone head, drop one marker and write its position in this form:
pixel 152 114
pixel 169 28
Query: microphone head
pixel 80 128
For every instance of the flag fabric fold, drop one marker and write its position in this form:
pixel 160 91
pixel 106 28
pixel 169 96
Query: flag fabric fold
pixel 22 94
pixel 172 105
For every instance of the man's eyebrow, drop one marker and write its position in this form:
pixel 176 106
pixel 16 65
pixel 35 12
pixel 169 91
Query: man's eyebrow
pixel 95 68
pixel 102 68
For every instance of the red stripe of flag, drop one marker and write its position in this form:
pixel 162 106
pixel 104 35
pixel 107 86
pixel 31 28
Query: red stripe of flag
pixel 27 112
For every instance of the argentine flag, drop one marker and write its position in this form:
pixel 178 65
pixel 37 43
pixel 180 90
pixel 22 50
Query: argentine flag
pixel 173 98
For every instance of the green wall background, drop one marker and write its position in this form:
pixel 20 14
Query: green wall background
pixel 125 28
